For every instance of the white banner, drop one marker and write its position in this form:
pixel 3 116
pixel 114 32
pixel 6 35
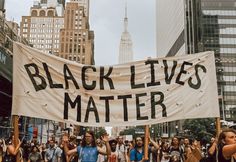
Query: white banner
pixel 137 93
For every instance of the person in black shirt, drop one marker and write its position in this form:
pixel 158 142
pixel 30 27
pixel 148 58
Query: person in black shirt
pixel 212 149
pixel 227 146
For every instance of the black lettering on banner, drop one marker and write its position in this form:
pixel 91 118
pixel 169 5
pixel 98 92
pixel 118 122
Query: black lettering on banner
pixel 83 77
pixel 198 84
pixel 91 107
pixel 139 105
pixel 68 76
pixel 77 102
pixel 168 78
pixel 124 97
pixel 159 102
pixel 31 75
pixel 102 77
pixel 182 71
pixel 51 84
pixel 107 106
pixel 132 79
pixel 152 83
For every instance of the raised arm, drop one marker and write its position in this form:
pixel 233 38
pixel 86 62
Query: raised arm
pixel 213 147
pixel 65 141
pixel 229 150
pixel 154 143
pixel 105 138
pixel 14 150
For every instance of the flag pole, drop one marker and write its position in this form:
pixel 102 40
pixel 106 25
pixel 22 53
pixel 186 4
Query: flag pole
pixel 16 134
pixel 146 142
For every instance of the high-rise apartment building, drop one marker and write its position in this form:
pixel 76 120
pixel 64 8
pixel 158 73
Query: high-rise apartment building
pixel 42 28
pixel 218 24
pixel 126 45
pixel 85 4
pixel 76 39
pixel 59 5
pixel 202 25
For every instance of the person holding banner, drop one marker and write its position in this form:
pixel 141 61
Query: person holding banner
pixel 137 153
pixel 88 151
pixel 227 146
pixel 12 150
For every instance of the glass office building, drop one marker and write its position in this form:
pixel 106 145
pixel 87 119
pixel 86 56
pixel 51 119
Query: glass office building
pixel 211 25
pixel 202 25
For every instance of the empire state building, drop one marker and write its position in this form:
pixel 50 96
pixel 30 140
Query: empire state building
pixel 126 45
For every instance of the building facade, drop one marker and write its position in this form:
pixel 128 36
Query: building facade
pixel 202 25
pixel 42 28
pixel 76 39
pixel 8 33
pixel 218 21
pixel 85 4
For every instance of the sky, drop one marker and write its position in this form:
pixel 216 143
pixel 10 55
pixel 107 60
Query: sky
pixel 106 20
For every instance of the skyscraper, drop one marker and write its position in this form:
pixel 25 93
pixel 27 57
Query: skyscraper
pixel 126 45
pixel 76 39
pixel 202 25
pixel 125 55
pixel 85 4
pixel 42 28
pixel 218 22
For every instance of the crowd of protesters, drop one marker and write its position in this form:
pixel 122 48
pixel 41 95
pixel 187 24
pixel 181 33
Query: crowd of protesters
pixel 107 149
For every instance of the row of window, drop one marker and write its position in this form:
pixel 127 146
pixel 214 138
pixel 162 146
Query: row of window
pixel 220 12
pixel 74 58
pixel 43 36
pixel 228 41
pixel 228 31
pixel 227 21
pixel 228 50
pixel 55 26
pixel 43 13
pixel 43 31
pixel 228 69
pixel 74 33
pixel 46 46
pixel 71 39
pixel 47 41
pixel 47 20
pixel 67 48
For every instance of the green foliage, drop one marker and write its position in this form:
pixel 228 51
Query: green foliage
pixel 130 131
pixel 99 132
pixel 200 128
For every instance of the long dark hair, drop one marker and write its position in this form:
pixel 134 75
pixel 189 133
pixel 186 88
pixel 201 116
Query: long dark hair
pixel 135 140
pixel 93 144
pixel 222 136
